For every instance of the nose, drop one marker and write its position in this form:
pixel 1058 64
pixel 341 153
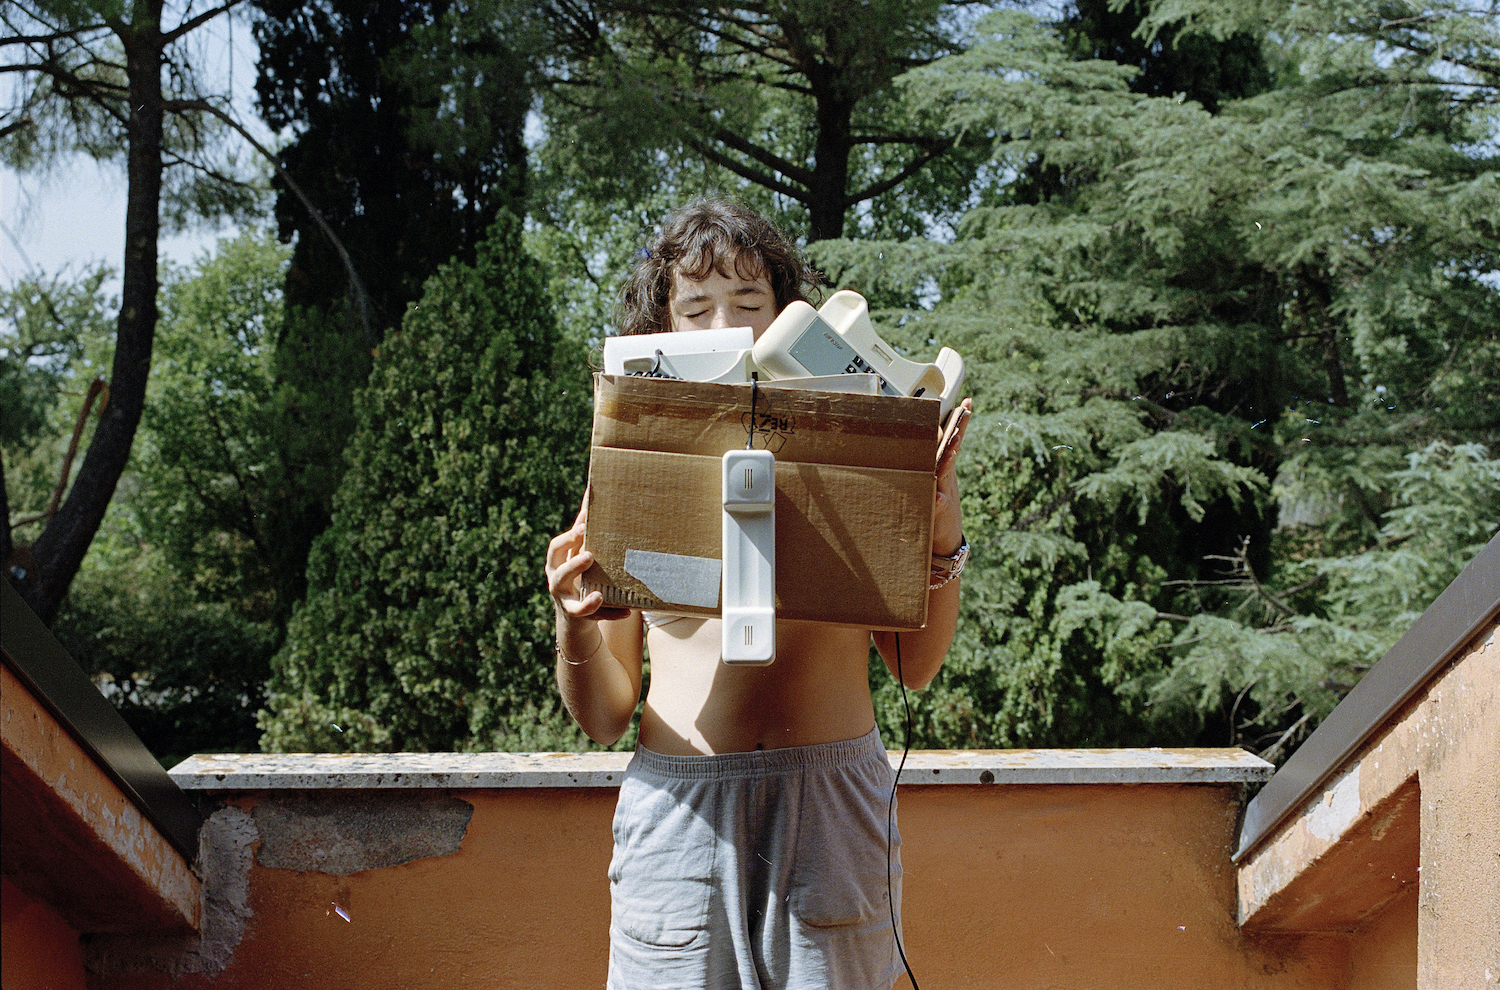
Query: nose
pixel 721 318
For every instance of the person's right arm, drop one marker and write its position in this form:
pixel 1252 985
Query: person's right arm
pixel 598 649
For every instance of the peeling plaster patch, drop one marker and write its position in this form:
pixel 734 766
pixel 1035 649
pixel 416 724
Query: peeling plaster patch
pixel 1338 808
pixel 225 851
pixel 344 833
pixel 226 848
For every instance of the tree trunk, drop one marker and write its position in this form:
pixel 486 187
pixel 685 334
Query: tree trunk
pixel 829 192
pixel 60 550
pixel 1329 331
pixel 1333 364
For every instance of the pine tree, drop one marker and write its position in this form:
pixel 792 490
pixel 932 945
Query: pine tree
pixel 371 89
pixel 427 624
pixel 112 80
pixel 788 104
pixel 1220 381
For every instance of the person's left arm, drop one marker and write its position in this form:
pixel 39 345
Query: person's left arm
pixel 923 650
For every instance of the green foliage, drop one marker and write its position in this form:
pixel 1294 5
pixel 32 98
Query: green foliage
pixel 1237 385
pixel 186 673
pixel 58 339
pixel 48 320
pixel 211 485
pixel 173 611
pixel 169 611
pixel 1171 61
pixel 427 624
pixel 407 122
pixel 1290 662
pixel 320 361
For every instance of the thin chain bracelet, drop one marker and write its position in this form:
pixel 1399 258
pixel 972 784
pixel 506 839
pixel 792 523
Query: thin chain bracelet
pixel 563 656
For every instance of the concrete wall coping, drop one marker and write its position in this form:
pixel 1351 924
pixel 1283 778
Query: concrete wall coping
pixel 327 771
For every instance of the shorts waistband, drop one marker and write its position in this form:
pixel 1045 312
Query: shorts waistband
pixel 718 766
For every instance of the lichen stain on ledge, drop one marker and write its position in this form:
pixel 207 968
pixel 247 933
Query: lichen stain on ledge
pixel 344 833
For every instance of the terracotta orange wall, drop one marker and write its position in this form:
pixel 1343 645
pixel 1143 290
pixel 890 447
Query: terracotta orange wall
pixel 1023 887
pixel 1402 846
pixel 1383 953
pixel 1455 746
pixel 1085 886
pixel 40 951
pixel 524 903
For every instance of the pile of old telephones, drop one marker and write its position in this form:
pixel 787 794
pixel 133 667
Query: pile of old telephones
pixel 834 348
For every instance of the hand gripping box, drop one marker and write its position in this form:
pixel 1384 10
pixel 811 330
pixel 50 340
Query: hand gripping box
pixel 854 496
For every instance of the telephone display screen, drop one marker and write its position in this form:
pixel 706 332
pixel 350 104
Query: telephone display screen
pixel 822 351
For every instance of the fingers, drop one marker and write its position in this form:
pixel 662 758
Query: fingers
pixel 948 459
pixel 562 577
pixel 589 606
pixel 566 564
pixel 580 608
pixel 947 523
pixel 563 548
pixel 567 560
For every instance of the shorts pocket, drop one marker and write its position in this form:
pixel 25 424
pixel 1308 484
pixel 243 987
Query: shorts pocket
pixel 661 875
pixel 840 880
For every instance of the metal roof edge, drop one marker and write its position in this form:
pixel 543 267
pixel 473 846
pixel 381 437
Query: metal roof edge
pixel 41 663
pixel 1463 608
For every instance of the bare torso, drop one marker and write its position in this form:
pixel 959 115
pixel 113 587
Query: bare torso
pixel 816 691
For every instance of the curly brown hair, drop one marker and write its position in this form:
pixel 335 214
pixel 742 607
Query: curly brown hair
pixel 709 234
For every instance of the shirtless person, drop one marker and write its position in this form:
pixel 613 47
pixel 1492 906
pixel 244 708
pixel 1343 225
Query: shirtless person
pixel 751 830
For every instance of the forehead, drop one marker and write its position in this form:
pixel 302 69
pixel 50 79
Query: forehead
pixel 726 261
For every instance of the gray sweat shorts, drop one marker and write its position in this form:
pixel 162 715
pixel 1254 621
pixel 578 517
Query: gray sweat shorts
pixel 763 870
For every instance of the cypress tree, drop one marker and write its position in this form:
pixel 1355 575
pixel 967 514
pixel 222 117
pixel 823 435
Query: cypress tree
pixel 427 624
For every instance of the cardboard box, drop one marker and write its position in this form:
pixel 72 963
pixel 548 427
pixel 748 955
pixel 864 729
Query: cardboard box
pixel 854 496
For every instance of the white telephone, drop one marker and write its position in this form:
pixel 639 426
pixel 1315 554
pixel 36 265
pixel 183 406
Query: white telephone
pixel 748 602
pixel 839 339
pixel 721 356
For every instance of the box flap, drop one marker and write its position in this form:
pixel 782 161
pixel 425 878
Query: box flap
pixel 679 417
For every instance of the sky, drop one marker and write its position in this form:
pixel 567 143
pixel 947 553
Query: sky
pixel 73 214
